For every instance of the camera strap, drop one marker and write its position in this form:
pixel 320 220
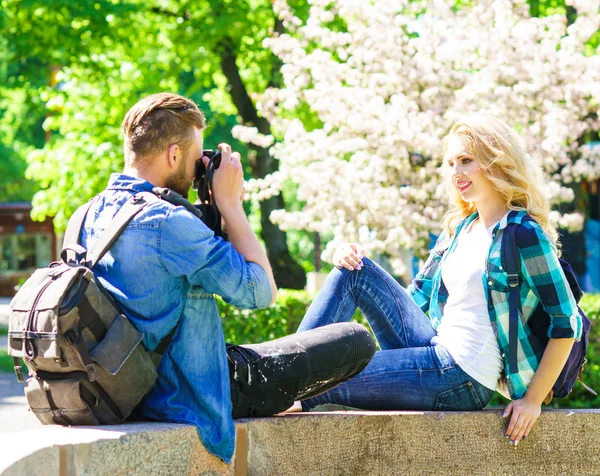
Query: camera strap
pixel 177 200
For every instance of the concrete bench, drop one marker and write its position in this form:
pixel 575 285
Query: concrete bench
pixel 329 443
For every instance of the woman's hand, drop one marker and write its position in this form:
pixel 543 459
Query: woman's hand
pixel 524 415
pixel 349 256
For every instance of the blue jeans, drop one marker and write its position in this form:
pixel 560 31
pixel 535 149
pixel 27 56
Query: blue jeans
pixel 410 372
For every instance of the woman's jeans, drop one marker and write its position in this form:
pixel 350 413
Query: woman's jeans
pixel 410 372
pixel 267 378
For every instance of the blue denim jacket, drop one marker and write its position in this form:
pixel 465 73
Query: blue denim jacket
pixel 163 271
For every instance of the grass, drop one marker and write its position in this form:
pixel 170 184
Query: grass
pixel 6 362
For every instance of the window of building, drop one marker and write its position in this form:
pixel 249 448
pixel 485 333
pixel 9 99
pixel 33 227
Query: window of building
pixel 24 252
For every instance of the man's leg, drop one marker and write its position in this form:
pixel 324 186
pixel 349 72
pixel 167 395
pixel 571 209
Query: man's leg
pixel 392 314
pixel 267 378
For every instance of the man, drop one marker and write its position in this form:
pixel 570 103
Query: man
pixel 166 267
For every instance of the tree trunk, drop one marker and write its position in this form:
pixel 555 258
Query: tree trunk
pixel 288 273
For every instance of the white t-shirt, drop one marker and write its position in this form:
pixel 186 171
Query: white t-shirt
pixel 465 329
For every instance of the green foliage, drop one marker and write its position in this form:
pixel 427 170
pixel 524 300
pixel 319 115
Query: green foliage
pixel 280 319
pixel 6 362
pixel 108 55
pixel 243 326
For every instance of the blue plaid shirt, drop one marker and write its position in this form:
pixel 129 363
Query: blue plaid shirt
pixel 542 281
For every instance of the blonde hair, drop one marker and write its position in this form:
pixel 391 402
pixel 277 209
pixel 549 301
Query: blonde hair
pixel 158 121
pixel 503 161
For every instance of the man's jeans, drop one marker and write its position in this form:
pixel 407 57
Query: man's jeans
pixel 267 378
pixel 410 372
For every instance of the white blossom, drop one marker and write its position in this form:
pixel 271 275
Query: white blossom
pixel 385 90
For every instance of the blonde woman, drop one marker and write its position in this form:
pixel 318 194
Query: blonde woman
pixel 456 358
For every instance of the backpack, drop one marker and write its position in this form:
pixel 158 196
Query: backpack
pixel 539 321
pixel 86 360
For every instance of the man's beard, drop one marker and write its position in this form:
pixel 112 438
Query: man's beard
pixel 179 182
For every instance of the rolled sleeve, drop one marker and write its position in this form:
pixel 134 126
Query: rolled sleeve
pixel 544 274
pixel 258 281
pixel 188 248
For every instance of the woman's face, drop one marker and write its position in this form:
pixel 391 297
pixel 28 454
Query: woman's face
pixel 465 172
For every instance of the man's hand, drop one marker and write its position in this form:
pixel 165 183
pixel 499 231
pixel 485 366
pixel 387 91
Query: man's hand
pixel 349 256
pixel 228 187
pixel 524 415
pixel 228 180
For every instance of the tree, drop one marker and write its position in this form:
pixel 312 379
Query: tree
pixel 383 82
pixel 111 53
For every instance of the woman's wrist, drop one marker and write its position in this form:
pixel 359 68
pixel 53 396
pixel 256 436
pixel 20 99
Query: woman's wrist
pixel 534 399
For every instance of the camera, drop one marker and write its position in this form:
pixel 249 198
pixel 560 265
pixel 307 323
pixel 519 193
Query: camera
pixel 203 176
pixel 203 185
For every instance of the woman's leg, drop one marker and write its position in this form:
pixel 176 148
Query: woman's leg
pixel 414 378
pixel 392 314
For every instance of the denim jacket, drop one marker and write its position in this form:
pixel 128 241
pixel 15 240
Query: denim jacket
pixel 163 271
pixel 542 281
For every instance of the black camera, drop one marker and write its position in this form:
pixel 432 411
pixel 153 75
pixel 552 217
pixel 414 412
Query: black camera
pixel 203 176
pixel 203 184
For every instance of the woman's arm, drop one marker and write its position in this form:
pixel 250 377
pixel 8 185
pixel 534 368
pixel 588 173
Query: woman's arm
pixel 526 410
pixel 543 273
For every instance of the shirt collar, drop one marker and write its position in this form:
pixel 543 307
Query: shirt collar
pixel 127 182
pixel 513 216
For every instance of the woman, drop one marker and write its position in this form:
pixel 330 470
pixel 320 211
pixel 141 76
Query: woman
pixel 455 359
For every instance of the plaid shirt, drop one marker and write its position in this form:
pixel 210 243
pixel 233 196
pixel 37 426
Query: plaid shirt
pixel 542 281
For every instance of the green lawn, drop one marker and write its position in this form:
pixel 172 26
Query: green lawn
pixel 6 362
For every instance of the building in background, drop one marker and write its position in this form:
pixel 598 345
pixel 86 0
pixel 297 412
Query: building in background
pixel 24 245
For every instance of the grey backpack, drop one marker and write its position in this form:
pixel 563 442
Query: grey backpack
pixel 87 364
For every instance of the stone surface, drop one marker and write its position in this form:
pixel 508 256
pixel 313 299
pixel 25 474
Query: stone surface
pixel 452 443
pixel 336 443
pixel 132 449
pixel 14 411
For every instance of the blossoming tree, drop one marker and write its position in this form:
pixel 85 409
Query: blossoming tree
pixel 378 84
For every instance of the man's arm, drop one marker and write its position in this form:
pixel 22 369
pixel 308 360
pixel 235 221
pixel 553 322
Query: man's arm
pixel 228 183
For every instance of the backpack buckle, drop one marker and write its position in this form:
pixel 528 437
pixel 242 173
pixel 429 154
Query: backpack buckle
pixel 18 369
pixel 92 372
pixel 513 280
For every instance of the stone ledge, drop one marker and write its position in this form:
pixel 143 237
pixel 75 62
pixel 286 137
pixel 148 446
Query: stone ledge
pixel 365 443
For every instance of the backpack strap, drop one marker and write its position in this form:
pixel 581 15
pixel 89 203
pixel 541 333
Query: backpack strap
pixel 511 263
pixel 76 224
pixel 131 208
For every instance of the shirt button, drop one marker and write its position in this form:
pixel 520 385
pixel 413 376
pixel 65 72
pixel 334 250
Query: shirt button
pixel 502 355
pixel 500 268
pixel 490 283
pixel 251 283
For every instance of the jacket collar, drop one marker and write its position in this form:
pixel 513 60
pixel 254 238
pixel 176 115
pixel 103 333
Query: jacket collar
pixel 127 182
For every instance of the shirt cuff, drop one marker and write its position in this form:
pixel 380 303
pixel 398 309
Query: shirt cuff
pixel 258 283
pixel 563 327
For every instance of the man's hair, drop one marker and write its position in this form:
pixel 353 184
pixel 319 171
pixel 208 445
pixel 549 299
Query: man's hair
pixel 158 121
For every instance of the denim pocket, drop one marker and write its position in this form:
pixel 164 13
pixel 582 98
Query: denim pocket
pixel 463 397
